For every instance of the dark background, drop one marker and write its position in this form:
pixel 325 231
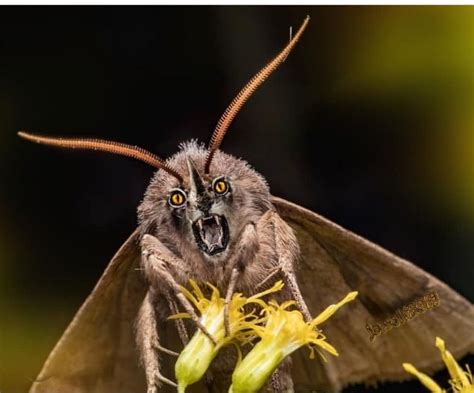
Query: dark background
pixel 369 122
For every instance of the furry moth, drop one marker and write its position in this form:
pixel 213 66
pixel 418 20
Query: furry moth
pixel 209 216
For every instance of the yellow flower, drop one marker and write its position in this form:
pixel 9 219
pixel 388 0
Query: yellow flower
pixel 461 381
pixel 198 354
pixel 284 332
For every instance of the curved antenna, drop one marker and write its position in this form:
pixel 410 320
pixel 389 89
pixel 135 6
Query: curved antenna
pixel 244 94
pixel 108 146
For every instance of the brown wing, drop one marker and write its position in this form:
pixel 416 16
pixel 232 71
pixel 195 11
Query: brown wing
pixel 336 261
pixel 96 354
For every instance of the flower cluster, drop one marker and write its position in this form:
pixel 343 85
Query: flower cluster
pixel 281 331
pixel 461 381
pixel 196 357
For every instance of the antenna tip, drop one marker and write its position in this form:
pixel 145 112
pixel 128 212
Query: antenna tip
pixel 29 137
pixel 23 134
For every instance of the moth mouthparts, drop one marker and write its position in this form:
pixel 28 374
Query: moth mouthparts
pixel 211 234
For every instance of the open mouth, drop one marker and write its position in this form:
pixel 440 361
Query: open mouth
pixel 211 234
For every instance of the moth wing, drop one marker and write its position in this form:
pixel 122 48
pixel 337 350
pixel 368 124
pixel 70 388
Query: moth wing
pixel 96 354
pixel 336 261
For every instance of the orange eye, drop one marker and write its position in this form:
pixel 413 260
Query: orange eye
pixel 177 198
pixel 220 186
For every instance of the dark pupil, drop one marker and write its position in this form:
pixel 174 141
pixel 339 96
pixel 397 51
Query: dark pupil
pixel 177 199
pixel 221 186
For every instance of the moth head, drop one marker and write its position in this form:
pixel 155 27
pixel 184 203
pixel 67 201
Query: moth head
pixel 204 212
pixel 200 198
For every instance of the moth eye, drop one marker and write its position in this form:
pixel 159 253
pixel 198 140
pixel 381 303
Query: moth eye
pixel 177 198
pixel 220 186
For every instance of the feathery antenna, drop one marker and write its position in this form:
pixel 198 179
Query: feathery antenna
pixel 244 94
pixel 101 145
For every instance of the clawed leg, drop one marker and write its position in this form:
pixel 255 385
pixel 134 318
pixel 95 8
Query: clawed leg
pixel 149 344
pixel 289 278
pixel 288 250
pixel 156 259
pixel 246 250
pixel 182 332
pixel 281 380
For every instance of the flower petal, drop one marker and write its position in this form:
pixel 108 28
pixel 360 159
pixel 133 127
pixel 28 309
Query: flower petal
pixel 456 372
pixel 180 315
pixel 329 311
pixel 424 379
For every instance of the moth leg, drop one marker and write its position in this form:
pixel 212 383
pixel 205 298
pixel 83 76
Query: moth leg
pixel 156 259
pixel 281 380
pixel 246 249
pixel 148 343
pixel 287 249
pixel 290 280
pixel 182 332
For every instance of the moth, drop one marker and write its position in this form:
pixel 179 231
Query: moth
pixel 209 216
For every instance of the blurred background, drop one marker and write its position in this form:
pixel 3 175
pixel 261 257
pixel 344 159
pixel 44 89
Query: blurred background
pixel 370 122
